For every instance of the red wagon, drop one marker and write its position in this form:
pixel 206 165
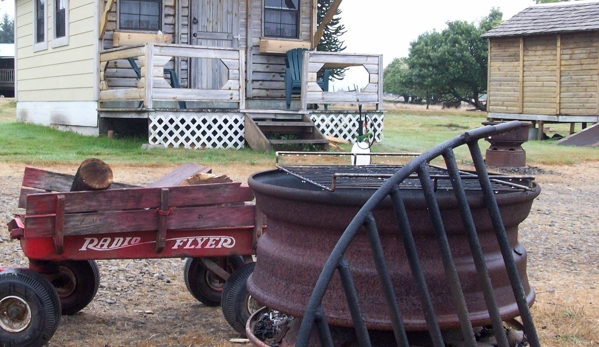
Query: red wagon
pixel 62 233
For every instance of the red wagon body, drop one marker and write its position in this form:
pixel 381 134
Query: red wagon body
pixel 215 226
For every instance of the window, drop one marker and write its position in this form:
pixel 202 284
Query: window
pixel 39 25
pixel 61 23
pixel 281 18
pixel 140 14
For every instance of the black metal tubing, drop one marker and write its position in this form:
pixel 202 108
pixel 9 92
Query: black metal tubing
pixel 314 313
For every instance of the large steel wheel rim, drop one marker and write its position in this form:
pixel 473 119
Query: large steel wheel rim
pixel 205 285
pixel 77 283
pixel 15 314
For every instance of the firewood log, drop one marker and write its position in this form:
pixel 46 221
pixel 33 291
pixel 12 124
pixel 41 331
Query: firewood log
pixel 93 174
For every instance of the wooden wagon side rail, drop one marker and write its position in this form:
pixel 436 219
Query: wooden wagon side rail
pixel 153 87
pixel 314 61
pixel 207 206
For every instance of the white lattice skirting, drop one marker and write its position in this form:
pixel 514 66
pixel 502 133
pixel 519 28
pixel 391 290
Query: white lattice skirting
pixel 345 126
pixel 202 131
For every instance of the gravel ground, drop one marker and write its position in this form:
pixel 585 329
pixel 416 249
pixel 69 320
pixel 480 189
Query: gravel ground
pixel 145 302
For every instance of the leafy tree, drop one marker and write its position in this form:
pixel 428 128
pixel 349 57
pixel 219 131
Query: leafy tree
pixel 7 30
pixel 330 41
pixel 452 64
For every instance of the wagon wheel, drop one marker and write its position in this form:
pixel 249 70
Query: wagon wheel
pixel 77 284
pixel 237 303
pixel 205 285
pixel 29 308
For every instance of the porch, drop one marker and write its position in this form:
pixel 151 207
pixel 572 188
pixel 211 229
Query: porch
pixel 221 115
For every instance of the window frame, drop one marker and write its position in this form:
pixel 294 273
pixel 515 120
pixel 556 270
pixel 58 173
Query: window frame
pixel 43 44
pixel 282 10
pixel 160 16
pixel 62 40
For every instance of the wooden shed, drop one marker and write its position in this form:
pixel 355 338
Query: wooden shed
pixel 544 65
pixel 193 73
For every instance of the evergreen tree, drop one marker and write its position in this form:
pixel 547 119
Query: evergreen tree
pixel 7 30
pixel 330 41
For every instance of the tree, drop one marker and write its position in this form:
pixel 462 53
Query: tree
pixel 7 30
pixel 330 41
pixel 452 64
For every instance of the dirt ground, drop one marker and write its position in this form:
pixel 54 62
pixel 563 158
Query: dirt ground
pixel 146 303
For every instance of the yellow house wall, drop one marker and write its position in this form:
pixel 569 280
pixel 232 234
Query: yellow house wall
pixel 66 73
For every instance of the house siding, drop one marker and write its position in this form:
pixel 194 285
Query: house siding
pixel 66 73
pixel 265 71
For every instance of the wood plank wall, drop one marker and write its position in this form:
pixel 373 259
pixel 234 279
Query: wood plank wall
pixel 265 75
pixel 265 71
pixel 504 72
pixel 119 72
pixel 545 75
pixel 579 67
pixel 540 82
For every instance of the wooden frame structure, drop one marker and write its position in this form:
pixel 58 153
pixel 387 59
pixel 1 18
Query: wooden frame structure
pixel 545 70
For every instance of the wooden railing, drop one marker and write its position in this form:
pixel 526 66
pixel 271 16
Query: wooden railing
pixel 314 61
pixel 7 75
pixel 153 87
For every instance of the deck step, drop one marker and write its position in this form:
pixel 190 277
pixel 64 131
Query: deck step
pixel 258 117
pixel 284 124
pixel 300 142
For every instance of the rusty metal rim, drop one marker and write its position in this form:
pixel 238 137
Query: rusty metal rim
pixel 249 328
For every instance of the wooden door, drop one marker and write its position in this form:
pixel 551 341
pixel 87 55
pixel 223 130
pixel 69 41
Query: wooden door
pixel 214 23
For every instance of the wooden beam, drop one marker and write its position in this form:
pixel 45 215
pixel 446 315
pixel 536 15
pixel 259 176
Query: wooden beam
pixel 325 21
pixel 104 18
pixel 521 78
pixel 489 74
pixel 558 73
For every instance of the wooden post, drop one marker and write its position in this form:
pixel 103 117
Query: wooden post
pixel 92 174
pixel 59 224
pixel 488 74
pixel 149 78
pixel 304 89
pixel 241 80
pixel 558 75
pixel 163 212
pixel 379 104
pixel 521 79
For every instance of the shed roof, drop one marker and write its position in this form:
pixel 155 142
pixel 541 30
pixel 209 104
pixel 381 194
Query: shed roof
pixel 550 19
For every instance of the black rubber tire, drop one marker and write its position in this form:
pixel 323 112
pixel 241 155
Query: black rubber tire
pixel 236 299
pixel 77 284
pixel 31 294
pixel 203 284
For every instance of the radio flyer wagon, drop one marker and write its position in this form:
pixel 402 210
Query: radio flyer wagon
pixel 62 233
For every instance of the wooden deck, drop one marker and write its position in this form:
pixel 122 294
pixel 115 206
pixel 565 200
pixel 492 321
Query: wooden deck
pixel 118 83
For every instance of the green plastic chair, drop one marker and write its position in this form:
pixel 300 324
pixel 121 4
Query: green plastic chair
pixel 172 74
pixel 293 75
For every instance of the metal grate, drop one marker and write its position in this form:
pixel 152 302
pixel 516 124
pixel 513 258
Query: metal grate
pixel 332 177
pixel 315 315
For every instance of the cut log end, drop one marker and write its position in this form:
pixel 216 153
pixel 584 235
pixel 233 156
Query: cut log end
pixel 93 174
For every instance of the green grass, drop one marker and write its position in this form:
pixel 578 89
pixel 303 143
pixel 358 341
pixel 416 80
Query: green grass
pixel 405 131
pixel 34 144
pixel 416 131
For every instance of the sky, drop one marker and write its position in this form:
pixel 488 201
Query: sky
pixel 388 26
